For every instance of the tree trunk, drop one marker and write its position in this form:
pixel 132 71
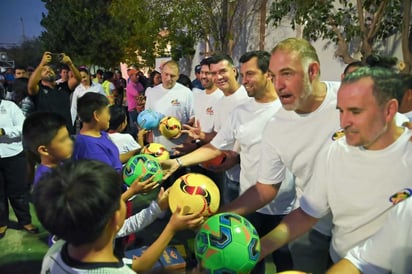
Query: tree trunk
pixel 262 27
pixel 407 36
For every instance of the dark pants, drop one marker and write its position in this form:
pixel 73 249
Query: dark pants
pixel 14 188
pixel 281 257
pixel 133 123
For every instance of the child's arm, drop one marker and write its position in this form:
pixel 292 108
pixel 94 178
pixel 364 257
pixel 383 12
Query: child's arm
pixel 141 136
pixel 146 216
pixel 124 157
pixel 177 222
pixel 139 187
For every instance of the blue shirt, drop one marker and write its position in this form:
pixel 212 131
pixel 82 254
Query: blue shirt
pixel 97 148
pixel 40 171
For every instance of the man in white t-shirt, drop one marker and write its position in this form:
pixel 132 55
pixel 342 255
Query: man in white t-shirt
pixel 356 176
pixel 170 99
pixel 244 127
pixel 388 251
pixel 292 139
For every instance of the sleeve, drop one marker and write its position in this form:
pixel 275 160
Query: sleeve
pixel 17 117
pixel 140 220
pixel 379 252
pixel 272 169
pixel 314 200
pixel 190 108
pixel 225 139
pixel 73 108
pixel 131 143
pixel 149 99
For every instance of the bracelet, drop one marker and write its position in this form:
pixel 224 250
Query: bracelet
pixel 179 162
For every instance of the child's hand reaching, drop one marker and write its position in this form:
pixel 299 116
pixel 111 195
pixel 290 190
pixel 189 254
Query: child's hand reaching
pixel 163 198
pixel 180 221
pixel 139 186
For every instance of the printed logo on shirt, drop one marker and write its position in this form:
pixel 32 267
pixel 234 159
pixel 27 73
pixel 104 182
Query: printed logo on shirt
pixel 175 102
pixel 209 111
pixel 400 196
pixel 338 134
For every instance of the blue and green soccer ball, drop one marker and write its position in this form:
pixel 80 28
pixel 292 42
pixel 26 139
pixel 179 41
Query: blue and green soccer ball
pixel 227 243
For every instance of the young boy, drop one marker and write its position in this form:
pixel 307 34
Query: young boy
pixel 125 142
pixel 93 141
pixel 45 134
pixel 81 203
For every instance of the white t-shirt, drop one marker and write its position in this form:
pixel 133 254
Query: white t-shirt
pixel 223 108
pixel 408 115
pixel 204 106
pixel 292 141
pixel 245 126
pixel 124 142
pixel 57 261
pixel 355 185
pixel 79 91
pixel 389 250
pixel 177 102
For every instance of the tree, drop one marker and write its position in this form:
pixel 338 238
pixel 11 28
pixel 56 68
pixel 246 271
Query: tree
pixel 85 30
pixel 354 26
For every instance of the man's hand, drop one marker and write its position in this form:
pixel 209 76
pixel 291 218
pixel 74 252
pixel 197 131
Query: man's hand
pixel 169 167
pixel 47 57
pixel 194 132
pixel 66 59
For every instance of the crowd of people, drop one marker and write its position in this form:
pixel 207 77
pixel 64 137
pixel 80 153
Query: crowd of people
pixel 320 168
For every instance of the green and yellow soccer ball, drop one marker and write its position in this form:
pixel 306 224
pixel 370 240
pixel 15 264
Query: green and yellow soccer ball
pixel 227 243
pixel 142 165
pixel 170 127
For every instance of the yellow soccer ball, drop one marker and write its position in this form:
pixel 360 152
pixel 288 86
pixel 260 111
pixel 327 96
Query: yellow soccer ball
pixel 170 127
pixel 194 193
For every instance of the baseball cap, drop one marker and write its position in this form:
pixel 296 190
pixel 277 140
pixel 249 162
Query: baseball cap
pixel 131 72
pixel 197 68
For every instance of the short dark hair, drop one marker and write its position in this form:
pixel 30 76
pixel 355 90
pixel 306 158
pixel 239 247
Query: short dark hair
pixel 205 62
pixel 76 200
pixel 354 64
pixel 218 57
pixel 386 83
pixel 89 103
pixel 263 59
pixel 185 80
pixel 406 79
pixel 40 128
pixel 117 116
pixel 108 75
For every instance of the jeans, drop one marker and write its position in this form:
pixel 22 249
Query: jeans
pixel 282 258
pixel 310 252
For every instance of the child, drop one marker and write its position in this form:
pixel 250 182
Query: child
pixel 45 134
pixel 126 144
pixel 81 203
pixel 93 141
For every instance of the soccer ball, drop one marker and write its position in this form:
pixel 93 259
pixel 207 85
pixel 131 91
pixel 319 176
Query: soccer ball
pixel 227 243
pixel 157 150
pixel 142 165
pixel 148 119
pixel 170 127
pixel 194 193
pixel 215 162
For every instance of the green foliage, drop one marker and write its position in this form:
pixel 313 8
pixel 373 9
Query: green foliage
pixel 334 20
pixel 85 30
